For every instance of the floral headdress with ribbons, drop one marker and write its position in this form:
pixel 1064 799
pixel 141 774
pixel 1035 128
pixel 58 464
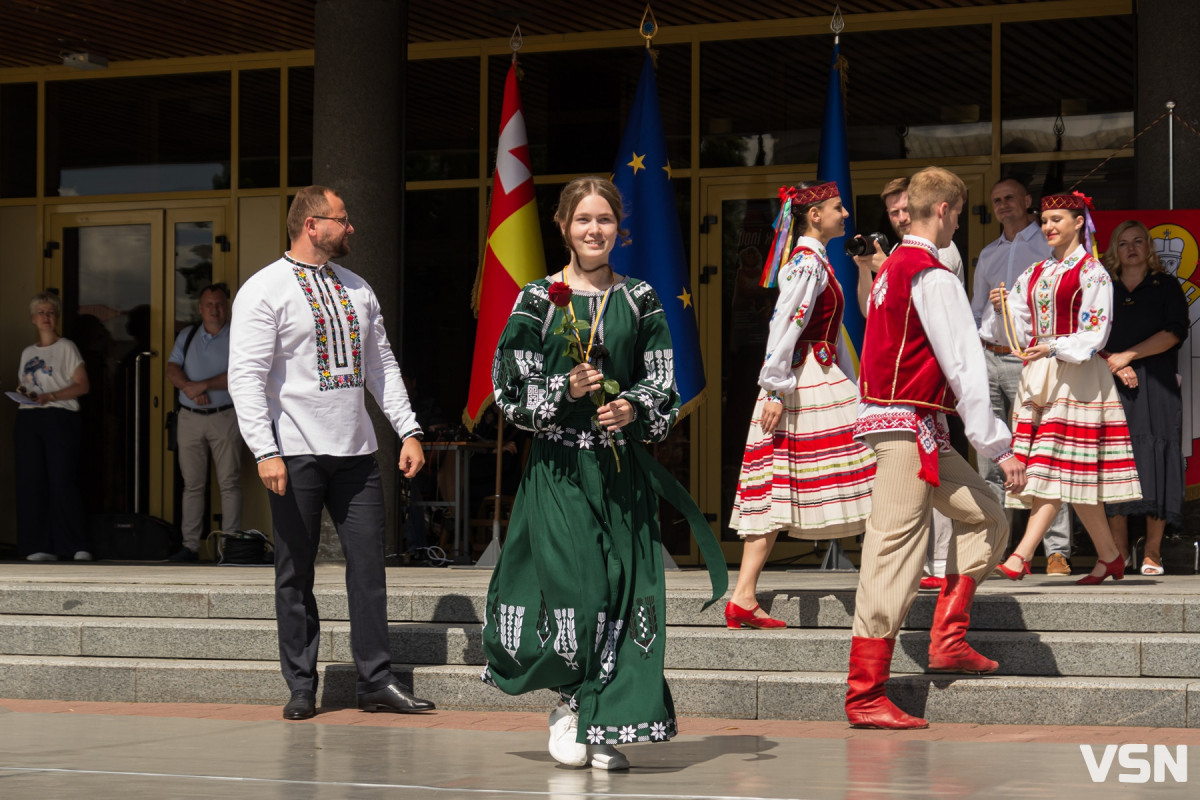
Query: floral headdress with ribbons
pixel 781 248
pixel 1076 201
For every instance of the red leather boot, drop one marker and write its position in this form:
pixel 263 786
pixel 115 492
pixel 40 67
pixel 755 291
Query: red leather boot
pixel 948 648
pixel 866 704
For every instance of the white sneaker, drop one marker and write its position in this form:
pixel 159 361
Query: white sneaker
pixel 564 727
pixel 605 756
pixel 41 557
pixel 83 555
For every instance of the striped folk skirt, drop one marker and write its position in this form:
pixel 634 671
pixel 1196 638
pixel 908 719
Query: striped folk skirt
pixel 811 479
pixel 1069 430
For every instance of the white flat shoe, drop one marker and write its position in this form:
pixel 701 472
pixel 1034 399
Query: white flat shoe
pixel 605 756
pixel 1149 568
pixel 564 727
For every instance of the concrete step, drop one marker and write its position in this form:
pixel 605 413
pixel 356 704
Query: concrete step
pixel 1051 605
pixel 688 647
pixel 1158 702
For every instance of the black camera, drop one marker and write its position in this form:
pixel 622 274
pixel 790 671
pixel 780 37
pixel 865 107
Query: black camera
pixel 864 244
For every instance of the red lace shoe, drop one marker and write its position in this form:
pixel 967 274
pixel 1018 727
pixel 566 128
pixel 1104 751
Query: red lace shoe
pixel 1116 568
pixel 1014 574
pixel 736 617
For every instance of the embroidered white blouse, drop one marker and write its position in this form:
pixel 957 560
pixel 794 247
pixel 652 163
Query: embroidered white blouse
pixel 801 282
pixel 1090 329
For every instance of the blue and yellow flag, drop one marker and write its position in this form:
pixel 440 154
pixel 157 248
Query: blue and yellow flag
pixel 655 254
pixel 833 164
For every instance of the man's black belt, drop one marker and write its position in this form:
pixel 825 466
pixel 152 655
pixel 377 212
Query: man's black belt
pixel 216 410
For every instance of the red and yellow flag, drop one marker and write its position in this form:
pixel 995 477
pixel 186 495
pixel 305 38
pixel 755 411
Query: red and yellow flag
pixel 513 256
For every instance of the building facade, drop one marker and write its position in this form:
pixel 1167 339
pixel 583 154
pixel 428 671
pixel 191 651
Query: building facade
pixel 130 186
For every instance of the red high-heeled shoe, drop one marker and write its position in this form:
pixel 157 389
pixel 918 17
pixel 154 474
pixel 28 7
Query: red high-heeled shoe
pixel 736 617
pixel 1116 568
pixel 1014 574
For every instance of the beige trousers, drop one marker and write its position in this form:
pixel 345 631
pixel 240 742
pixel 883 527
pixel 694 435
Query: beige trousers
pixel 199 435
pixel 898 531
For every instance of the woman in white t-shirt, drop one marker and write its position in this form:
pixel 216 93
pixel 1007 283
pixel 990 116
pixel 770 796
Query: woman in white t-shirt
pixel 52 375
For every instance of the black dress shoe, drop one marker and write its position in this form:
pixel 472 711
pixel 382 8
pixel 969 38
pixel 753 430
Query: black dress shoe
pixel 184 554
pixel 395 697
pixel 303 705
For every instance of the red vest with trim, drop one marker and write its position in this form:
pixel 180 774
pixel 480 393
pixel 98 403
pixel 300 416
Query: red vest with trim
pixel 1067 303
pixel 825 318
pixel 898 365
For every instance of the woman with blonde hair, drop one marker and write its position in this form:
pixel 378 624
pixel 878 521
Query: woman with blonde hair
pixel 1068 426
pixel 1150 322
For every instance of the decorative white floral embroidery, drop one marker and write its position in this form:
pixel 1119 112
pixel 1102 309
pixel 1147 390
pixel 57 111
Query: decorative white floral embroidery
pixel 546 410
pixel 595 734
pixel 585 440
pixel 608 658
pixel 658 731
pixel 557 382
pixel 606 439
pixel 658 427
pixel 510 628
pixel 564 642
pixel 601 617
pixel 880 290
pixel 553 432
pixel 628 733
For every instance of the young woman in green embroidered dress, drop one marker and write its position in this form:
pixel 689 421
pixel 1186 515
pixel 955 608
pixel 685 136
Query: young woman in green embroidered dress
pixel 577 601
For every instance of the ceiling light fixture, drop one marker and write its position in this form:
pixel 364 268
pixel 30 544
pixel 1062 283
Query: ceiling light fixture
pixel 84 61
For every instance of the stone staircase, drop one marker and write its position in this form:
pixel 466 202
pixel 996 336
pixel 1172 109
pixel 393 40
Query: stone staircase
pixel 1126 654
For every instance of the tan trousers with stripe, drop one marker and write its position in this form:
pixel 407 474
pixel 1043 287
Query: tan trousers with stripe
pixel 898 531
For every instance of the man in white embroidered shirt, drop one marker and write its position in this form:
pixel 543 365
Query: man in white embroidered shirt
pixel 307 338
pixel 916 368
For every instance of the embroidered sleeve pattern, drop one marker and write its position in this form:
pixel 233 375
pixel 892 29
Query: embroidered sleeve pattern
pixel 653 394
pixel 1094 322
pixel 528 397
pixel 799 287
pixel 339 356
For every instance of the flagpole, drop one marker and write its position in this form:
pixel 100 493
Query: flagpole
pixel 1171 155
pixel 491 554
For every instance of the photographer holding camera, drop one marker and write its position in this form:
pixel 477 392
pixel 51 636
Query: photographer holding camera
pixel 895 201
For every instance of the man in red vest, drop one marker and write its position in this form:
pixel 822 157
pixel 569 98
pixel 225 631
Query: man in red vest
pixel 916 368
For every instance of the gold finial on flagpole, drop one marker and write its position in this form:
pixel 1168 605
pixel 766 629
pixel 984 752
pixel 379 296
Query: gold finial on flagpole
pixel 516 41
pixel 649 27
pixel 837 24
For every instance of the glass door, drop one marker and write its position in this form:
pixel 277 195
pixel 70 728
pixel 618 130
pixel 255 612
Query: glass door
pixel 108 269
pixel 129 280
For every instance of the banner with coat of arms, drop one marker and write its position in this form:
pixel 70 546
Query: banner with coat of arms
pixel 1175 236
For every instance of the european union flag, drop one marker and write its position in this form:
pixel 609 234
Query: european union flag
pixel 655 255
pixel 833 164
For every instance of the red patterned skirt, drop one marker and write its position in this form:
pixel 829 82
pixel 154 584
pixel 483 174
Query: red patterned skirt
pixel 811 479
pixel 1069 430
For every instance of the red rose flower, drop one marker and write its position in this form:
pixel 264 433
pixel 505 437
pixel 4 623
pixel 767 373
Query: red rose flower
pixel 560 294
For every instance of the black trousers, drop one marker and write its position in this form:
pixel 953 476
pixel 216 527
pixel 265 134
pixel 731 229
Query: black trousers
pixel 349 487
pixel 50 516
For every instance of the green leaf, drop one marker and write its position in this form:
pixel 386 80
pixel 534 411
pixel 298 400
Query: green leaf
pixel 611 386
pixel 581 325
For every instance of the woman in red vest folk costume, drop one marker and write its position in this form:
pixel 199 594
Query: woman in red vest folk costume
pixel 1068 428
pixel 803 473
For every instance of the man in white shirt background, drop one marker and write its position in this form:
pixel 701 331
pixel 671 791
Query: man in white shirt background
pixel 1019 245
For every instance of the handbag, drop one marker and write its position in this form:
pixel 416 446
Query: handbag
pixel 249 548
